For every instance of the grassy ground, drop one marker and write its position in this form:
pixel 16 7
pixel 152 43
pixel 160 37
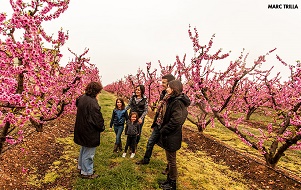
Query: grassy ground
pixel 196 170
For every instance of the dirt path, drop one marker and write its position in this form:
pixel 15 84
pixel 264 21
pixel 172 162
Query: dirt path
pixel 44 150
pixel 262 176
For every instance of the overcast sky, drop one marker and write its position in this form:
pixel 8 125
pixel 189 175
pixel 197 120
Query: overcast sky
pixel 123 35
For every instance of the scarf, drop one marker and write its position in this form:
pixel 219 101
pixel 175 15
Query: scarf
pixel 161 108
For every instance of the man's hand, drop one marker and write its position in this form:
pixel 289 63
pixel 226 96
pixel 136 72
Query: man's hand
pixel 140 120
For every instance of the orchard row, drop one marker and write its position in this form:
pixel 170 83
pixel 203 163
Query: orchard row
pixel 230 97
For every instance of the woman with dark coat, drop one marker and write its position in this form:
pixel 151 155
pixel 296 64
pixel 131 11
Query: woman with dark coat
pixel 139 103
pixel 171 129
pixel 88 126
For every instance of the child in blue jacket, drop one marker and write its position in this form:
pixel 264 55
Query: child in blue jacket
pixel 119 116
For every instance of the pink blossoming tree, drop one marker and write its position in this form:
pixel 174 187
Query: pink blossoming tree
pixel 34 86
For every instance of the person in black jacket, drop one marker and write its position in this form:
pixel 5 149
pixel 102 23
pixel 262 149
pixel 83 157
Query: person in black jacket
pixel 153 139
pixel 139 103
pixel 132 131
pixel 171 129
pixel 88 125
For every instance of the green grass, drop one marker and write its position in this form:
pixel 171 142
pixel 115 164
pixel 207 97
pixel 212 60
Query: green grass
pixel 196 170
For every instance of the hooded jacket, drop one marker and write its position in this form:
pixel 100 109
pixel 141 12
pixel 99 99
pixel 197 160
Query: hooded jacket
pixel 171 128
pixel 89 122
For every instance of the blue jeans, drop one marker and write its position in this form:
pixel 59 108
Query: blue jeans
pixel 85 160
pixel 153 139
pixel 118 131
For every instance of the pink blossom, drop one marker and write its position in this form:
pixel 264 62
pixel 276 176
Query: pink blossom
pixel 24 170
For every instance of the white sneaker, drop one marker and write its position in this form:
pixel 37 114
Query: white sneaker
pixel 132 155
pixel 124 154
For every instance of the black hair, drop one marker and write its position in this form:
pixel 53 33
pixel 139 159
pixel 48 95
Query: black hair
pixel 93 88
pixel 134 113
pixel 142 88
pixel 177 87
pixel 169 77
pixel 122 103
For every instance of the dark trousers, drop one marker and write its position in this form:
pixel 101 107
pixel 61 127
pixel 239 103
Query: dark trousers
pixel 172 164
pixel 140 128
pixel 153 139
pixel 130 142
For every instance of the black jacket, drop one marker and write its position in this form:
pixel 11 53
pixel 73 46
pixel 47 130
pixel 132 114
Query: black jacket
pixel 89 122
pixel 175 116
pixel 132 129
pixel 140 107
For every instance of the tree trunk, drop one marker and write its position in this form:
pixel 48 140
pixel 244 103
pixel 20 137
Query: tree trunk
pixel 38 126
pixel 20 87
pixel 200 128
pixel 3 135
pixel 250 112
pixel 273 158
pixel 270 160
